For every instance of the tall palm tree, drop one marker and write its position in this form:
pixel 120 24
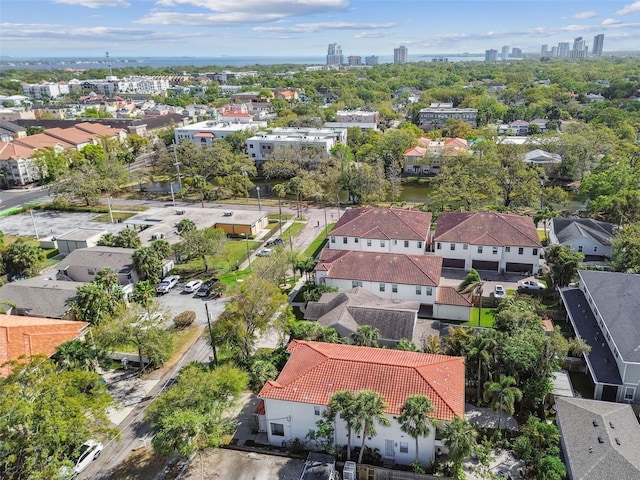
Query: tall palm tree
pixel 414 418
pixel 544 215
pixel 344 403
pixel 502 395
pixel 370 409
pixel 460 438
pixel 482 348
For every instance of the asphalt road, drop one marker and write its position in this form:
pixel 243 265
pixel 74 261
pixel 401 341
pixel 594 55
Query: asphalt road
pixel 18 198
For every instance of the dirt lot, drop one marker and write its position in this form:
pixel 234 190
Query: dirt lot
pixel 231 464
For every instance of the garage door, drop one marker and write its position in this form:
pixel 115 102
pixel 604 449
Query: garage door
pixel 519 267
pixel 485 265
pixel 453 262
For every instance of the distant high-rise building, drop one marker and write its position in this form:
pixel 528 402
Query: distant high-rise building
pixel 516 52
pixel 598 43
pixel 554 52
pixel 400 54
pixel 579 48
pixel 504 55
pixel 354 60
pixel 334 54
pixel 491 55
pixel 563 49
pixel 372 60
pixel 544 51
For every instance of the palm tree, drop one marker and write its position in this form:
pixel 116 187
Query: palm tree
pixel 502 395
pixel 544 215
pixel 366 336
pixel 460 438
pixel 370 409
pixel 414 417
pixel 344 404
pixel 482 347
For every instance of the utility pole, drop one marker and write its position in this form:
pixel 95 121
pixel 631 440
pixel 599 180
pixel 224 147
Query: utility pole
pixel 177 165
pixel 213 344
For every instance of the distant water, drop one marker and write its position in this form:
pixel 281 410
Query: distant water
pixel 7 63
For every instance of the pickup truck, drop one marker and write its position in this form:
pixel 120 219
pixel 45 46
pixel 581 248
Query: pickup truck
pixel 167 284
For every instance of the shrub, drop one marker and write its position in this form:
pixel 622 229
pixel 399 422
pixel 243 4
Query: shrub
pixel 184 319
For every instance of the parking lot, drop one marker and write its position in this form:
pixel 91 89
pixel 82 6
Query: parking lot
pixel 176 301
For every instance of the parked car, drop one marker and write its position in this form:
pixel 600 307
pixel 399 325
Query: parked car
pixel 274 242
pixel 531 285
pixel 192 287
pixel 499 291
pixel 89 451
pixel 168 283
pixel 206 289
pixel 265 252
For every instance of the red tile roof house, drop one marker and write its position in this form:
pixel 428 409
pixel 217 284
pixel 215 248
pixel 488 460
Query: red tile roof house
pixel 488 241
pixel 316 371
pixel 392 230
pixel 24 337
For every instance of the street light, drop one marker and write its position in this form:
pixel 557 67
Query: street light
pixel 259 204
pixel 177 165
pixel 173 198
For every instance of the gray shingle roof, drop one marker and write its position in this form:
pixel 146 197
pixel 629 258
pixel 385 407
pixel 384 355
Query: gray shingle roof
pixel 41 297
pixel 117 259
pixel 601 439
pixel 617 298
pixel 566 229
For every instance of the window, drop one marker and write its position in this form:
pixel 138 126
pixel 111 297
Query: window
pixel 251 145
pixel 404 447
pixel 418 290
pixel 368 243
pixel 382 287
pixel 394 242
pixel 394 287
pixel 465 246
pixel 356 240
pixel 535 252
pixel 253 155
pixel 356 283
pixel 453 246
pixel 345 240
pixel 520 251
pixel 629 393
pixel 507 249
pixel 382 243
pixel 91 271
pixel 595 249
pixel 479 248
pixel 316 410
pixel 439 246
pixel 420 244
pixel 333 239
pixel 277 429
pixel 429 291
pixel 406 244
pixel 494 250
pixel 580 248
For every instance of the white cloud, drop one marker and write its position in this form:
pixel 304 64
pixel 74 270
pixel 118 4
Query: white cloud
pixel 611 21
pixel 371 35
pixel 94 3
pixel 316 27
pixel 631 8
pixel 584 15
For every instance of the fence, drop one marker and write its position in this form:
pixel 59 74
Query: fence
pixel 369 472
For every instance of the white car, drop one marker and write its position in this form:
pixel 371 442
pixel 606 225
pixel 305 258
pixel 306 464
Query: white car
pixel 168 283
pixel 192 286
pixel 532 285
pixel 265 252
pixel 89 451
pixel 499 291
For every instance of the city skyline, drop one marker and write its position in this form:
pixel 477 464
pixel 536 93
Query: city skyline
pixel 208 28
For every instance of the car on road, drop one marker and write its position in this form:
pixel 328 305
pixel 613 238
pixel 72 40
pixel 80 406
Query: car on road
pixel 168 283
pixel 89 451
pixel 192 287
pixel 531 285
pixel 499 292
pixel 274 242
pixel 265 252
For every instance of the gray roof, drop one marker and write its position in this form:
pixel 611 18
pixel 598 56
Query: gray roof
pixel 41 296
pixel 601 439
pixel 117 259
pixel 346 311
pixel 81 234
pixel 566 229
pixel 617 298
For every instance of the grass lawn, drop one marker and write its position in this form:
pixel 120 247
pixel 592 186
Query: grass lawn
pixel 314 248
pixel 276 217
pixel 293 229
pixel 486 320
pixel 235 251
pixel 106 218
pixel 232 278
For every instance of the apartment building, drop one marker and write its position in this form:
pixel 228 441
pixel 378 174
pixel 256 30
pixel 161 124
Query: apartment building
pixel 437 114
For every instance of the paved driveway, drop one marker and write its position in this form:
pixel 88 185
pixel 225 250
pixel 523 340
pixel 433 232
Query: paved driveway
pixel 176 302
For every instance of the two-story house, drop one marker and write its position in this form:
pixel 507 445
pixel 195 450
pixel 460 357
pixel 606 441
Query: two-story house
pixel 390 230
pixel 315 371
pixel 603 311
pixel 493 241
pixel 83 264
pixel 590 237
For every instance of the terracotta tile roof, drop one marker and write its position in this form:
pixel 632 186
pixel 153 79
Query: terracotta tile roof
pixel 29 336
pixel 41 140
pixel 487 228
pixel 204 135
pixel 260 408
pixel 73 136
pixel 384 223
pixel 98 129
pixel 13 151
pixel 381 267
pixel 415 152
pixel 451 296
pixel 315 371
pixel 424 141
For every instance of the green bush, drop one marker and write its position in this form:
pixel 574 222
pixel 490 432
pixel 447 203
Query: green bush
pixel 184 319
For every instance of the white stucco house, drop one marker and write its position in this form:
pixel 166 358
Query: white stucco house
pixel 590 237
pixel 83 264
pixel 493 241
pixel 315 371
pixel 389 230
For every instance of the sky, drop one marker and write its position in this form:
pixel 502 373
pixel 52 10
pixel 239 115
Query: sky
pixel 287 28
